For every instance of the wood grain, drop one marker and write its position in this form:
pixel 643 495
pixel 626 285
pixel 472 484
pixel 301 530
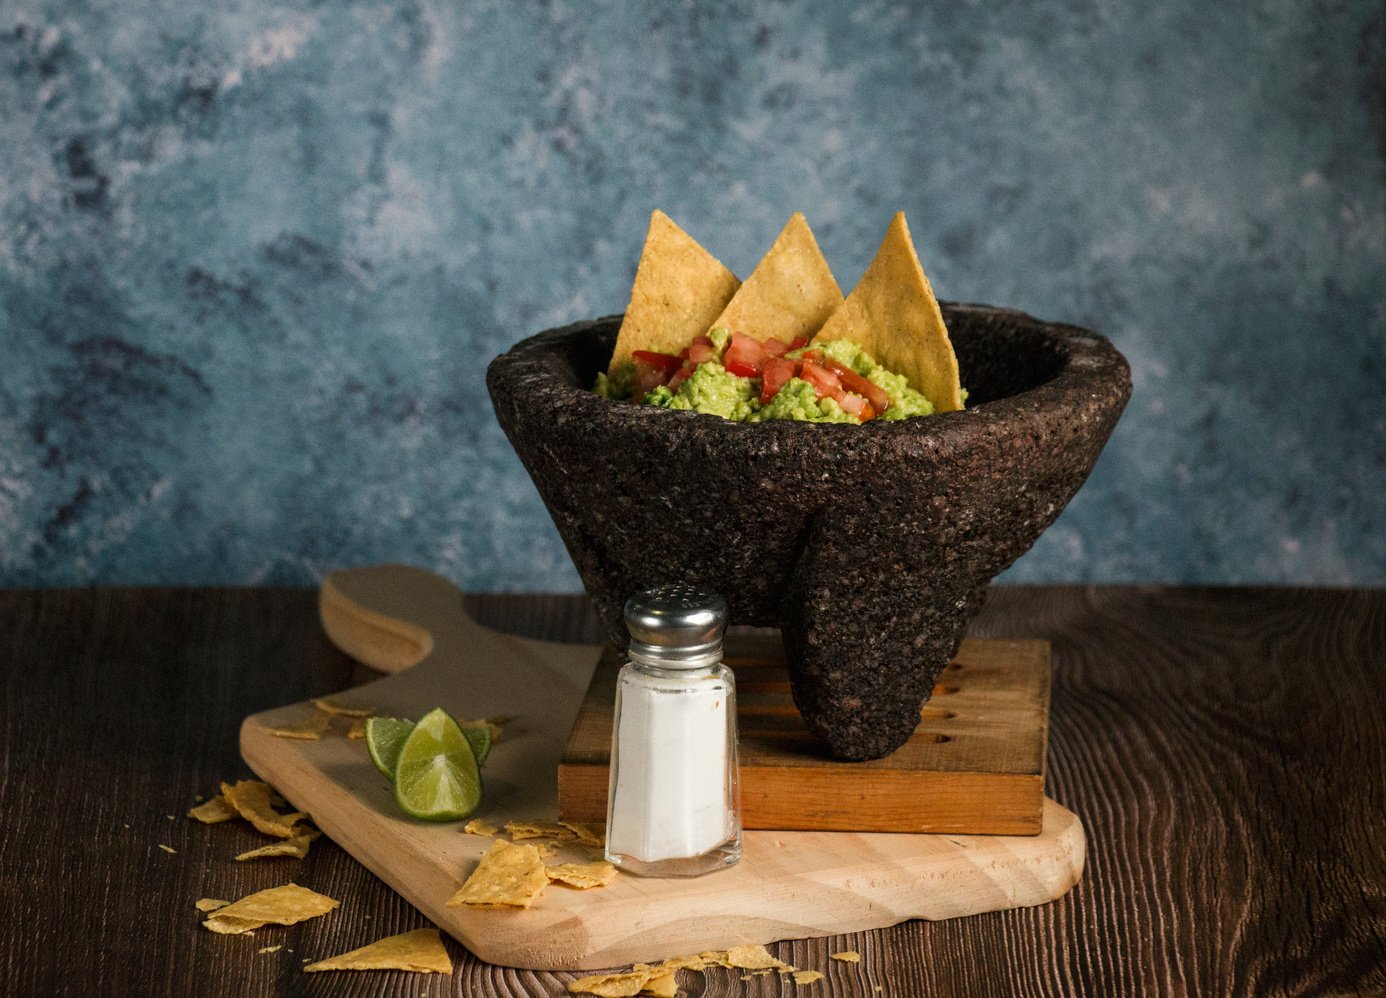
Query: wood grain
pixel 1223 747
pixel 975 765
pixel 789 884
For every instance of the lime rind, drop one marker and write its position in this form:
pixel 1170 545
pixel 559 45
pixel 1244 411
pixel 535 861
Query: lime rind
pixel 479 738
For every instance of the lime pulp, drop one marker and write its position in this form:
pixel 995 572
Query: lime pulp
pixel 436 774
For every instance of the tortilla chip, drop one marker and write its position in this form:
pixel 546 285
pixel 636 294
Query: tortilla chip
pixel 284 905
pixel 480 826
pixel 582 875
pixel 420 951
pixel 270 949
pixel 754 958
pixel 807 976
pixel 168 849
pixel 662 986
pixel 679 289
pixel 586 835
pixel 215 810
pixel 340 710
pixel 357 730
pixel 848 956
pixel 296 847
pixel 509 874
pixel 251 799
pixel 791 292
pixel 893 316
pixel 310 729
pixel 540 828
pixel 209 904
pixel 611 985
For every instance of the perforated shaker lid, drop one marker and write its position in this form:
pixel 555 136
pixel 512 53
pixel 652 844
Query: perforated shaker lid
pixel 676 627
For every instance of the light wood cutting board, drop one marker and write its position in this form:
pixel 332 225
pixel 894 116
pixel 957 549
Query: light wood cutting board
pixel 788 884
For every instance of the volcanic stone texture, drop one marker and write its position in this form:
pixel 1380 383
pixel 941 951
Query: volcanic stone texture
pixel 869 546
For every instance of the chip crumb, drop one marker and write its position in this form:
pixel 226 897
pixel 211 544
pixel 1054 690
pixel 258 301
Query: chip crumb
pixel 586 835
pixel 508 874
pixel 420 951
pixel 357 730
pixel 848 956
pixel 342 710
pixel 540 828
pixel 169 817
pixel 168 849
pixel 252 799
pixel 297 847
pixel 310 730
pixel 754 958
pixel 480 826
pixel 209 904
pixel 802 977
pixel 270 949
pixel 582 875
pixel 212 811
pixel 286 905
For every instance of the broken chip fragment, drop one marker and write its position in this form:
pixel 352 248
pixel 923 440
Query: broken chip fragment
pixel 509 874
pixel 284 905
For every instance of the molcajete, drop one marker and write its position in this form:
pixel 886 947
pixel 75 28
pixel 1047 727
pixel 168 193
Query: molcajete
pixel 869 546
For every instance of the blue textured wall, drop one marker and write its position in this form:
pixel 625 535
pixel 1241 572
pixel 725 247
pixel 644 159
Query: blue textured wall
pixel 254 256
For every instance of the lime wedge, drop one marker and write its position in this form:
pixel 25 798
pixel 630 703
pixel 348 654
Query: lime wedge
pixel 436 776
pixel 479 738
pixel 384 738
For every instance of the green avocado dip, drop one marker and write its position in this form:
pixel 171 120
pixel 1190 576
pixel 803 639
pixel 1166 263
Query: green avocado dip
pixel 738 377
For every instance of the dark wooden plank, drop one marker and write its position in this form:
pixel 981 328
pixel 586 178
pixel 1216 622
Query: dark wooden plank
pixel 1224 748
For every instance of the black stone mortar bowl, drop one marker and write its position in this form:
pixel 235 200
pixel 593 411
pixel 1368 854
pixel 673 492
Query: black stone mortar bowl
pixel 869 546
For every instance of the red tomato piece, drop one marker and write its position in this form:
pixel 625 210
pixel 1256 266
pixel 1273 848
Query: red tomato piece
pixel 855 405
pixel 854 382
pixel 824 382
pixel 680 376
pixel 775 372
pixel 744 356
pixel 798 343
pixel 701 350
pixel 648 377
pixel 774 347
pixel 664 361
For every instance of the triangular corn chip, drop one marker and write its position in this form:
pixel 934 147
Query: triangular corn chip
pixel 893 316
pixel 679 289
pixel 284 905
pixel 420 951
pixel 790 293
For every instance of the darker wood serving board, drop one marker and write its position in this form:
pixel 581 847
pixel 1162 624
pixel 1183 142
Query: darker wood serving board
pixel 975 765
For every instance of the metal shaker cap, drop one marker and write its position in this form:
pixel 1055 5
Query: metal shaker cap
pixel 676 627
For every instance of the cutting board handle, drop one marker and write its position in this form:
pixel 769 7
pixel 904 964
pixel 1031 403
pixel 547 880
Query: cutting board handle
pixel 391 617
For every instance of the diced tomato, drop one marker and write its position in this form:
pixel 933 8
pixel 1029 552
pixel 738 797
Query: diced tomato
pixel 744 356
pixel 701 350
pixel 774 347
pixel 680 376
pixel 824 382
pixel 648 377
pixel 798 343
pixel 854 382
pixel 664 361
pixel 856 405
pixel 774 373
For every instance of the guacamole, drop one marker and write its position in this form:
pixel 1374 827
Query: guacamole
pixel 740 378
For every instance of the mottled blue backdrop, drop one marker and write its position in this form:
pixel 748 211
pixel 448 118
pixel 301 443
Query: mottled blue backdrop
pixel 254 256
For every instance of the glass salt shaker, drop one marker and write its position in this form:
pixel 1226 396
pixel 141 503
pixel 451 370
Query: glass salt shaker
pixel 673 808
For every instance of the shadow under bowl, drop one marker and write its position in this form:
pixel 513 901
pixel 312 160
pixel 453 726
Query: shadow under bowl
pixel 869 546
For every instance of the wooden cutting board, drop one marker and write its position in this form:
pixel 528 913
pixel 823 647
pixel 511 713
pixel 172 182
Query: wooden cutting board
pixel 788 884
pixel 975 764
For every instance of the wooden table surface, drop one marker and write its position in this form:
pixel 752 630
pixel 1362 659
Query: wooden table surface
pixel 1226 749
